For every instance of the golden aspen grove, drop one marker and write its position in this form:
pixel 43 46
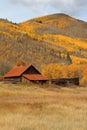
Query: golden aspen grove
pixel 56 44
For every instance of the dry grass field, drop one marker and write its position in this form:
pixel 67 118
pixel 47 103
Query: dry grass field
pixel 31 107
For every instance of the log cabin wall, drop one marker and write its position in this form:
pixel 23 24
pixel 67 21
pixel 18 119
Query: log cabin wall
pixel 13 79
pixel 65 81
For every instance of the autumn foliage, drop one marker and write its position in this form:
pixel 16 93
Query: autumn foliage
pixel 57 38
pixel 66 71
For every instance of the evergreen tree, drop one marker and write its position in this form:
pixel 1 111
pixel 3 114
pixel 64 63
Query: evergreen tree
pixel 69 58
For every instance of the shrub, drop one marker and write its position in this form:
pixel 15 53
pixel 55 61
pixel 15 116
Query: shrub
pixel 1 78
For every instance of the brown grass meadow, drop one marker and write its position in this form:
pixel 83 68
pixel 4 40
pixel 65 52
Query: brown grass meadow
pixel 33 107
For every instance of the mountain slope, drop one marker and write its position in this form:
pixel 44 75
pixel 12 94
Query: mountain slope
pixel 57 24
pixel 60 30
pixel 43 40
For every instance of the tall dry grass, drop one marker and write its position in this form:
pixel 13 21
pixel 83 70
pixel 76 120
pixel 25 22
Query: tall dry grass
pixel 24 107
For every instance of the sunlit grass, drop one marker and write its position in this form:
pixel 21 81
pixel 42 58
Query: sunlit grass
pixel 34 108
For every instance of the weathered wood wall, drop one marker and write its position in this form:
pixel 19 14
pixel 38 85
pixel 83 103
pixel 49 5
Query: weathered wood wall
pixel 65 81
pixel 31 70
pixel 13 79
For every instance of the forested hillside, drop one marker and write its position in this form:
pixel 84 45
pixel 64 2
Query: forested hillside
pixel 57 38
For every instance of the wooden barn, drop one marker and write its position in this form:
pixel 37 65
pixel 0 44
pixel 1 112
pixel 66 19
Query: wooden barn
pixel 24 74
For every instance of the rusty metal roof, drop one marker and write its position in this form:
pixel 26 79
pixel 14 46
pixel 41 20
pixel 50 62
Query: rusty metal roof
pixel 16 71
pixel 35 77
